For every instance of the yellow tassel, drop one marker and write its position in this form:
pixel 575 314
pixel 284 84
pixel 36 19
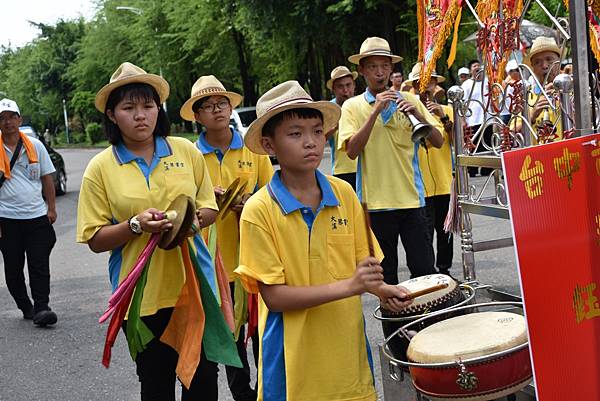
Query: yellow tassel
pixel 594 43
pixel 421 26
pixel 452 55
pixel 438 46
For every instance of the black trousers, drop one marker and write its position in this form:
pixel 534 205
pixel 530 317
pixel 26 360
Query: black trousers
pixel 487 139
pixel 350 178
pixel 35 239
pixel 437 209
pixel 238 379
pixel 156 367
pixel 411 226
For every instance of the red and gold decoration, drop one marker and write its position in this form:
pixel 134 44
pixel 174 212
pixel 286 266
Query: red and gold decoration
pixel 499 35
pixel 554 197
pixel 593 13
pixel 436 20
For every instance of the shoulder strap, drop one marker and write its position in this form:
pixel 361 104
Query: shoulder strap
pixel 13 160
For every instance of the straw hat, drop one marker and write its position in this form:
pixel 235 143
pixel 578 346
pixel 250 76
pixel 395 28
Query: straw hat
pixel 340 72
pixel 374 46
pixel 207 86
pixel 415 74
pixel 542 44
pixel 286 96
pixel 129 73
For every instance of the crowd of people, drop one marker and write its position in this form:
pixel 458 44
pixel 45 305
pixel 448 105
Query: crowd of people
pixel 295 248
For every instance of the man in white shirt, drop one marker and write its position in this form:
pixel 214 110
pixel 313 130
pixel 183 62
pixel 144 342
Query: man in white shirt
pixel 25 218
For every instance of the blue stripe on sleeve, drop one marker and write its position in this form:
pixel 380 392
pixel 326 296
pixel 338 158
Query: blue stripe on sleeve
pixel 114 267
pixel 417 174
pixel 273 359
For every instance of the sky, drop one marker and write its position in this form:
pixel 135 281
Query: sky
pixel 16 31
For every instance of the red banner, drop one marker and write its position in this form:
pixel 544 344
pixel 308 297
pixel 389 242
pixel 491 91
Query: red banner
pixel 554 195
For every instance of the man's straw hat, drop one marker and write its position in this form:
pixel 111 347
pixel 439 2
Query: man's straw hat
pixel 340 72
pixel 129 73
pixel 542 44
pixel 286 96
pixel 374 46
pixel 415 74
pixel 207 86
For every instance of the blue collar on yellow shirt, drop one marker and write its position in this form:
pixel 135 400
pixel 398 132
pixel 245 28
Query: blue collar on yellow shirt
pixel 237 142
pixel 123 155
pixel 288 203
pixel 388 112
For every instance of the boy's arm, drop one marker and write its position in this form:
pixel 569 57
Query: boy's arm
pixel 367 278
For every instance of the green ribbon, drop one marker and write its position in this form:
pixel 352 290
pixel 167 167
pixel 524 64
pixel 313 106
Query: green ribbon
pixel 137 333
pixel 218 343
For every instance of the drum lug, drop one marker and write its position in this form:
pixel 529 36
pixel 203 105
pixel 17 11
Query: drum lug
pixel 466 380
pixel 396 373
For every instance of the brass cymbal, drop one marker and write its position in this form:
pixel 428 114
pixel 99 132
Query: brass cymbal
pixel 186 209
pixel 228 199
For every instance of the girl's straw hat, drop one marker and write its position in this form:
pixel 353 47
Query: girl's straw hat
pixel 129 73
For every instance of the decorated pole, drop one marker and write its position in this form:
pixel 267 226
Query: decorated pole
pixel 578 17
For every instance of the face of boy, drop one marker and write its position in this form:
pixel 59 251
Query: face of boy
pixel 343 89
pixel 298 144
pixel 214 113
pixel 376 70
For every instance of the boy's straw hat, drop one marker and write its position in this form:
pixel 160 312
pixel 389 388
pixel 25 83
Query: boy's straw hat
pixel 286 96
pixel 340 72
pixel 129 73
pixel 415 74
pixel 207 86
pixel 542 44
pixel 374 46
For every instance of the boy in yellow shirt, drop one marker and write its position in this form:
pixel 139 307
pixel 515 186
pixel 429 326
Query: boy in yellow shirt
pixel 304 249
pixel 228 159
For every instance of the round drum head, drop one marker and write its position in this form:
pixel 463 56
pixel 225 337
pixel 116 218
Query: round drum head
pixel 226 200
pixel 468 336
pixel 185 208
pixel 425 302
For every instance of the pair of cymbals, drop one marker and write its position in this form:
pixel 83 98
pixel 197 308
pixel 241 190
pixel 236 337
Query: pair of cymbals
pixel 185 209
pixel 231 197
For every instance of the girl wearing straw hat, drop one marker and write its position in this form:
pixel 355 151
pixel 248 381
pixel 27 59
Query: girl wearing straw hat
pixel 228 160
pixel 305 249
pixel 124 190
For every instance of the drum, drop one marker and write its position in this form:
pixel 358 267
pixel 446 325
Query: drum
pixel 474 357
pixel 448 297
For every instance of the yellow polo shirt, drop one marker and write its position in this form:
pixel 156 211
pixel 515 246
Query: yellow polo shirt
pixel 320 353
pixel 237 161
pixel 552 116
pixel 388 173
pixel 340 162
pixel 117 185
pixel 436 164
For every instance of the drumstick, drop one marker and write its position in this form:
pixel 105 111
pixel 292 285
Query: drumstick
pixel 424 291
pixel 368 227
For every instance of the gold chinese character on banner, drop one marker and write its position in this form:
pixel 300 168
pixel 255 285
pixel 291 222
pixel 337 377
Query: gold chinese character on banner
pixel 585 303
pixel 598 229
pixel 566 165
pixel 532 177
pixel 596 153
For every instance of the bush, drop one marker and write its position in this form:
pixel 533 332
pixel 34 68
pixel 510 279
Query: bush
pixel 94 133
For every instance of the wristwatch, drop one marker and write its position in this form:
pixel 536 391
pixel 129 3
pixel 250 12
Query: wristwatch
pixel 135 225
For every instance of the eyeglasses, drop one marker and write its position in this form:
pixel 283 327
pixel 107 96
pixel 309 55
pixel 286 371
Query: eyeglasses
pixel 383 66
pixel 212 107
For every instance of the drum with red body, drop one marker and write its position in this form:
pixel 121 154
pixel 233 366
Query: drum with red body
pixel 475 357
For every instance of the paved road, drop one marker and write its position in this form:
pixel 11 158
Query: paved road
pixel 63 363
